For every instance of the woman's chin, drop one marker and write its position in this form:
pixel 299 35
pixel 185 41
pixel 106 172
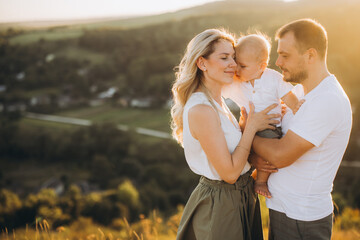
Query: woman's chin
pixel 228 81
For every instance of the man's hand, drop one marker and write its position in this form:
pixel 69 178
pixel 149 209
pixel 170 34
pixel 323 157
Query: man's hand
pixel 261 164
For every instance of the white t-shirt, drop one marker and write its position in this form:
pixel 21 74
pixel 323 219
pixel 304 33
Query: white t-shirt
pixel 268 89
pixel 194 154
pixel 303 190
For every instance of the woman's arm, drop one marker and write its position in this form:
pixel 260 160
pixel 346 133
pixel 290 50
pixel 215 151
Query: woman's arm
pixel 205 126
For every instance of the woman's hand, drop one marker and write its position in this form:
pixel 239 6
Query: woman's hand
pixel 243 118
pixel 283 109
pixel 262 120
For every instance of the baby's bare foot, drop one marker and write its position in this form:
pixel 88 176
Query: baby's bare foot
pixel 262 189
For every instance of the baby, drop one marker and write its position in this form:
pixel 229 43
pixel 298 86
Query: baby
pixel 262 86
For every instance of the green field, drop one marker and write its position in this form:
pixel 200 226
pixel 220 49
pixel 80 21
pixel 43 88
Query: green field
pixel 53 127
pixel 156 119
pixel 34 36
pixel 80 54
pixel 41 91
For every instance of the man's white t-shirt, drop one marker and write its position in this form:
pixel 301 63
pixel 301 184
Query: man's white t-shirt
pixel 303 190
pixel 268 89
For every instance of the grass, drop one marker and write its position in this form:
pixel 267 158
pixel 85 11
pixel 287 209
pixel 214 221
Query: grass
pixel 52 127
pixel 156 119
pixel 80 54
pixel 41 91
pixel 153 227
pixel 34 36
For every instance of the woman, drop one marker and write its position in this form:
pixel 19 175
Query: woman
pixel 223 205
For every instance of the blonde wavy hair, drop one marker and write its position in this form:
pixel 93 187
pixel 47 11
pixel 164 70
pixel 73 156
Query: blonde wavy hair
pixel 189 77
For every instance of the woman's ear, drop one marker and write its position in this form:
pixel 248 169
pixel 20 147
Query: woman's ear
pixel 201 64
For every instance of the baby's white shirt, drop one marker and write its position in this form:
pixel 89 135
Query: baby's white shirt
pixel 268 89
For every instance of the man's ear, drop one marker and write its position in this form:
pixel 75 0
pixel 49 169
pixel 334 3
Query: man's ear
pixel 201 64
pixel 312 55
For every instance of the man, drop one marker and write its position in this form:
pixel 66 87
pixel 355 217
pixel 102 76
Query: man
pixel 309 154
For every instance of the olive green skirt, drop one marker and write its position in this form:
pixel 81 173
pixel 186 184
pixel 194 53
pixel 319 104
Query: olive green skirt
pixel 217 210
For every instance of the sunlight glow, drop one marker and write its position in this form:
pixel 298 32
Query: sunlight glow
pixel 35 10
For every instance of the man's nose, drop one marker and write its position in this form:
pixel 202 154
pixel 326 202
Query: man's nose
pixel 278 62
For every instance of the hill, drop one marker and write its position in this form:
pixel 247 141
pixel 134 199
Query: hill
pixel 65 69
pixel 56 30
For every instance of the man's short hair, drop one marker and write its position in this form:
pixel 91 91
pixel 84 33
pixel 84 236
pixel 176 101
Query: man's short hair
pixel 308 34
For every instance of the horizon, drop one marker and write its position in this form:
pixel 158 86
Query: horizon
pixel 67 11
pixel 55 11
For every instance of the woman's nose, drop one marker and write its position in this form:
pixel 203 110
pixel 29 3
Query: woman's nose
pixel 233 63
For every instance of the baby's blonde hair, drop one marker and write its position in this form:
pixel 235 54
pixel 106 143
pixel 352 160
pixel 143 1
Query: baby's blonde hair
pixel 259 42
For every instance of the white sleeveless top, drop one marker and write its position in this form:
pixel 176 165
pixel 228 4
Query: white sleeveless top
pixel 194 154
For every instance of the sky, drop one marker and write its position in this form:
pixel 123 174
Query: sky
pixel 38 10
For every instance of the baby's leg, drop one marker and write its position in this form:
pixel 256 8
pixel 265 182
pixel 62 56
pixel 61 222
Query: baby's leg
pixel 260 186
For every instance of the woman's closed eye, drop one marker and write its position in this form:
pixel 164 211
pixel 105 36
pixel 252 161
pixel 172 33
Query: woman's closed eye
pixel 227 57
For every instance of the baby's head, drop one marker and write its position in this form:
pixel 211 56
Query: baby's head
pixel 252 56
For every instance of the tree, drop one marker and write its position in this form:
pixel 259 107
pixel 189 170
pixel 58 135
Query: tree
pixel 10 204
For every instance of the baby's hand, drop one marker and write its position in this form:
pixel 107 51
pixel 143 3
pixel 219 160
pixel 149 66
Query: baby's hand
pixel 298 105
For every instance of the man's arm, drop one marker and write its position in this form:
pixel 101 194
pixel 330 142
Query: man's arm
pixel 261 164
pixel 281 152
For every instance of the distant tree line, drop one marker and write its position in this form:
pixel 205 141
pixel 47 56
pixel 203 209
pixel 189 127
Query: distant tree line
pixel 156 172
